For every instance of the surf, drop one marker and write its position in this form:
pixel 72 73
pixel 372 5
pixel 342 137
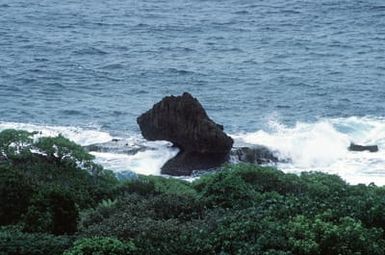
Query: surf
pixel 321 145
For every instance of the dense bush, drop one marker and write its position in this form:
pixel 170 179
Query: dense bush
pixel 243 209
pixel 15 144
pixel 62 150
pixel 52 211
pixel 246 210
pixel 154 185
pixel 60 163
pixel 101 246
pixel 224 190
pixel 15 194
pixel 15 242
pixel 95 215
pixel 346 236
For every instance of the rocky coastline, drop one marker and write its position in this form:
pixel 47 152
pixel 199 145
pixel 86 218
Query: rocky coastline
pixel 203 143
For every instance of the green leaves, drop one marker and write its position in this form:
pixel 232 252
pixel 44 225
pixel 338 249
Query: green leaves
pixel 52 210
pixel 19 144
pixel 244 209
pixel 346 236
pixel 101 246
pixel 15 142
pixel 15 194
pixel 44 182
pixel 61 149
pixel 15 242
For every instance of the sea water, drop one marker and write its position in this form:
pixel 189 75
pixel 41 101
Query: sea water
pixel 304 78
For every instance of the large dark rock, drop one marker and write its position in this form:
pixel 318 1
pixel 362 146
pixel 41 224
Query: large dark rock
pixel 357 147
pixel 183 121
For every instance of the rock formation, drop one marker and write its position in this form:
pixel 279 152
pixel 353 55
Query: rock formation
pixel 357 147
pixel 183 121
pixel 257 154
pixel 117 146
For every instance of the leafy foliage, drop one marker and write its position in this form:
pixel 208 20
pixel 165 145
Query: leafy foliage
pixel 63 151
pixel 15 194
pixel 101 246
pixel 243 209
pixel 27 181
pixel 246 210
pixel 52 211
pixel 14 143
pixel 155 185
pixel 15 242
pixel 319 236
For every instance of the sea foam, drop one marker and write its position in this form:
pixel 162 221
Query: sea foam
pixel 146 162
pixel 322 146
pixel 305 146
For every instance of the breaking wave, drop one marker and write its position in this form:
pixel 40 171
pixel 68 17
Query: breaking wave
pixel 322 146
pixel 305 146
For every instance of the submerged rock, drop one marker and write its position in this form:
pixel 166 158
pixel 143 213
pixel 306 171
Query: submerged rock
pixel 357 147
pixel 116 146
pixel 183 121
pixel 257 154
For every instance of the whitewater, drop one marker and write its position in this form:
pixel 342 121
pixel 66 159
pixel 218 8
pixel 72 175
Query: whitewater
pixel 305 146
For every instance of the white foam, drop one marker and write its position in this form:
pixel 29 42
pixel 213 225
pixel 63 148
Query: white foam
pixel 322 146
pixel 78 135
pixel 318 146
pixel 146 162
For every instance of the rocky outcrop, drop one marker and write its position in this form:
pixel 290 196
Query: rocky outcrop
pixel 117 146
pixel 357 147
pixel 183 121
pixel 257 154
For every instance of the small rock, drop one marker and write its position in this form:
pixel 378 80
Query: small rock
pixel 256 155
pixel 357 147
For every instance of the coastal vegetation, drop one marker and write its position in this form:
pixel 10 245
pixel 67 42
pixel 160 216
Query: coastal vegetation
pixel 56 200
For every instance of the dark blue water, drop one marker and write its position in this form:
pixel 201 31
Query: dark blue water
pixel 103 63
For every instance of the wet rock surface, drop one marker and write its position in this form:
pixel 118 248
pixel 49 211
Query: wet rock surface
pixel 117 146
pixel 183 121
pixel 357 147
pixel 258 154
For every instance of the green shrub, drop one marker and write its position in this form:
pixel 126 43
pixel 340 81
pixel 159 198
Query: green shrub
pixel 63 164
pixel 62 149
pixel 96 215
pixel 101 246
pixel 14 242
pixel 243 209
pixel 246 210
pixel 347 236
pixel 323 186
pixel 15 143
pixel 141 185
pixel 15 194
pixel 52 211
pixel 225 189
pixel 267 179
pixel 153 185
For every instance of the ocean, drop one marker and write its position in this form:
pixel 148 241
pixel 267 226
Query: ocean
pixel 304 78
